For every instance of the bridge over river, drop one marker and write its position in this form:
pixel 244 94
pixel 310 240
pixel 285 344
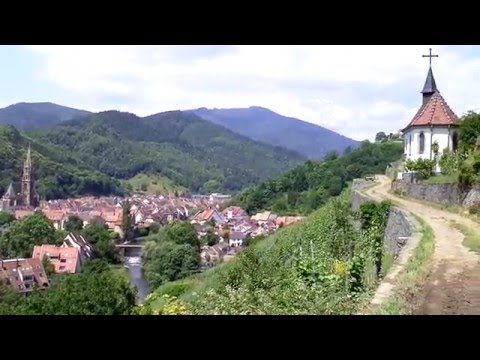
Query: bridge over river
pixel 131 257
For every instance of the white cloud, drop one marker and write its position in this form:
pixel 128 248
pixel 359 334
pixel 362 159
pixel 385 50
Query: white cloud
pixel 354 90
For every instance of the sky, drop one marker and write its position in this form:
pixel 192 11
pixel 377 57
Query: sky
pixel 356 91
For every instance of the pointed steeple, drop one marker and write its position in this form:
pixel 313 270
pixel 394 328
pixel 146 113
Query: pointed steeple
pixel 28 161
pixel 10 194
pixel 430 86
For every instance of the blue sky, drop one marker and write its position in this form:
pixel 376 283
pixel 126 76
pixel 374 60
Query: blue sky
pixel 354 90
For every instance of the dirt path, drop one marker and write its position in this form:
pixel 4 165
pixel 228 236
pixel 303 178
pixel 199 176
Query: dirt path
pixel 454 284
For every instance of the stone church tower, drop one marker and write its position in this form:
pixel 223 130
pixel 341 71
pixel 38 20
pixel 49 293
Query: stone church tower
pixel 26 197
pixel 28 189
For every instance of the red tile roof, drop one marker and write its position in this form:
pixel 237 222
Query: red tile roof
pixel 54 215
pixel 22 274
pixel 434 112
pixel 64 259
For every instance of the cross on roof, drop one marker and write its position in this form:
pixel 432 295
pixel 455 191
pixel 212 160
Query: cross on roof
pixel 430 56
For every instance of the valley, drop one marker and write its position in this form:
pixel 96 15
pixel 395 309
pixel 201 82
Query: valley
pixel 185 208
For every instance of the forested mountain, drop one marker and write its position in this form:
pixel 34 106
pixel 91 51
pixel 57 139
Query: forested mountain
pixel 38 115
pixel 180 146
pixel 268 127
pixel 309 185
pixel 56 173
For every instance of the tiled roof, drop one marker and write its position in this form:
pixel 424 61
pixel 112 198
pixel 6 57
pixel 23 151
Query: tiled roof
pixel 22 274
pixel 64 259
pixel 434 112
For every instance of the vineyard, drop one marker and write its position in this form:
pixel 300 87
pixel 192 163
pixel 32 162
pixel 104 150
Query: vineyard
pixel 323 265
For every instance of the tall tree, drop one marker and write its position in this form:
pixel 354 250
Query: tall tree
pixel 127 221
pixel 73 224
pixel 24 234
pixel 380 136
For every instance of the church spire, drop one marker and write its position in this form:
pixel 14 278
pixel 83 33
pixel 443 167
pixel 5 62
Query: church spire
pixel 27 180
pixel 430 86
pixel 28 160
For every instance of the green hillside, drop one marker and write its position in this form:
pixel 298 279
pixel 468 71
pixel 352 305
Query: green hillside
pixel 152 184
pixel 191 152
pixel 57 174
pixel 309 185
pixel 322 265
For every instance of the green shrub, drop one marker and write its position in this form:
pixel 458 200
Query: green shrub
pixel 423 166
pixel 449 163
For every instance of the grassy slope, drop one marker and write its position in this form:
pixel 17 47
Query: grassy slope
pixel 277 258
pixel 155 184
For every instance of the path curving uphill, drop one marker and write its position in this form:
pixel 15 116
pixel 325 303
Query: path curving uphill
pixel 453 286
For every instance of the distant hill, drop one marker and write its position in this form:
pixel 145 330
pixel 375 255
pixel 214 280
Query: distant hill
pixel 266 126
pixel 179 146
pixel 38 115
pixel 309 185
pixel 56 173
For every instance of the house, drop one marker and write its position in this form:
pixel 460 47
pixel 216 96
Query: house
pixel 20 214
pixel 264 217
pixel 56 217
pixel 234 212
pixel 236 239
pixel 78 241
pixel 23 275
pixel 434 125
pixel 213 255
pixel 64 259
pixel 208 215
pixel 114 222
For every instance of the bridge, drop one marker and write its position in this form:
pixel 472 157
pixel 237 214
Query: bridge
pixel 133 248
pixel 126 246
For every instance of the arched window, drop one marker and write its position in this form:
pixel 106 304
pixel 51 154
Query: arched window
pixel 409 145
pixel 455 141
pixel 421 143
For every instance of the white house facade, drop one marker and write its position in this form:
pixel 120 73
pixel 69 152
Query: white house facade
pixel 434 123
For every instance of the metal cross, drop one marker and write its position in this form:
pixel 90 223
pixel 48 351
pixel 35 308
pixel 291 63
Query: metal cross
pixel 430 56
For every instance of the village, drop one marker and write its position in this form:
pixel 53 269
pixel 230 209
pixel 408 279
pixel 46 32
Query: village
pixel 229 229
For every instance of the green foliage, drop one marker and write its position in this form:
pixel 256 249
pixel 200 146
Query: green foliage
pixel 102 242
pixel 424 167
pixel 374 219
pixel 435 148
pixel 48 266
pixel 381 136
pixel 323 266
pixel 174 254
pixel 152 184
pixel 73 224
pixel 449 162
pixel 310 185
pixel 179 146
pixel 469 158
pixel 95 291
pixel 210 238
pixel 469 131
pixel 127 221
pixel 57 173
pixel 6 218
pixel 24 234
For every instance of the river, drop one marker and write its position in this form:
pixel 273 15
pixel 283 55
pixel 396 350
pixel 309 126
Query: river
pixel 135 273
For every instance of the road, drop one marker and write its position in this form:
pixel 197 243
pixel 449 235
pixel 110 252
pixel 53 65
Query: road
pixel 453 286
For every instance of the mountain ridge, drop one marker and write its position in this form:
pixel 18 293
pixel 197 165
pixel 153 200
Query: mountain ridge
pixel 180 146
pixel 264 125
pixel 26 115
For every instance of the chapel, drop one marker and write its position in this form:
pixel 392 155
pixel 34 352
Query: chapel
pixel 434 123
